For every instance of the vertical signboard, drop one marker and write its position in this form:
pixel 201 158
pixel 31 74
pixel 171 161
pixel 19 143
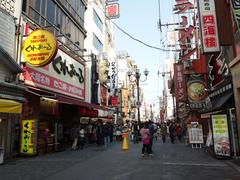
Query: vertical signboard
pixel 28 144
pixel 220 135
pixel 208 23
pixel 179 81
pixel 187 34
pixel 113 76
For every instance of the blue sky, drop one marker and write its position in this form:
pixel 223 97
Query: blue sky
pixel 139 18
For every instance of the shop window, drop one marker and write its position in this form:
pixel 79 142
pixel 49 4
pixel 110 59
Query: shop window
pixel 97 20
pixel 97 43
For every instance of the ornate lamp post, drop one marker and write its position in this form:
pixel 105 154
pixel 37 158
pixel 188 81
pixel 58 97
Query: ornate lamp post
pixel 137 76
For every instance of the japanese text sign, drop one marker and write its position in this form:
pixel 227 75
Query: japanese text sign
pixel 180 82
pixel 27 137
pixel 64 75
pixel 39 48
pixel 208 22
pixel 220 134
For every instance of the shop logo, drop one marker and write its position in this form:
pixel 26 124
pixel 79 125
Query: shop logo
pixel 40 48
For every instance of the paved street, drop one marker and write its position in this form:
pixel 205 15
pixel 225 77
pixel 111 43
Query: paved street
pixel 170 162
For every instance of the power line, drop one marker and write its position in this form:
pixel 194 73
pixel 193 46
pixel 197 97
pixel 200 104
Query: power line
pixel 135 39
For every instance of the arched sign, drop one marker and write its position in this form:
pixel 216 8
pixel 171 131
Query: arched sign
pixel 39 48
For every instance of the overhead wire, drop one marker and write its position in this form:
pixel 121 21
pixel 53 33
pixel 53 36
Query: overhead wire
pixel 136 39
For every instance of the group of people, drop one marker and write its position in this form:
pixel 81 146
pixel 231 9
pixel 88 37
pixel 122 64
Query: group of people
pixel 173 130
pixel 150 131
pixel 92 133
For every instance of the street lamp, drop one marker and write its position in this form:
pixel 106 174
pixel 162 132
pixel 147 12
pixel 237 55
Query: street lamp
pixel 137 75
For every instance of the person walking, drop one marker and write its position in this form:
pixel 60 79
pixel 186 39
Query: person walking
pixel 151 131
pixel 135 132
pixel 164 132
pixel 106 135
pixel 172 132
pixel 179 131
pixel 74 135
pixel 81 137
pixel 99 133
pixel 145 135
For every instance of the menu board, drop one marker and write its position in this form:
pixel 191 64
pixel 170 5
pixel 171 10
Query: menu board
pixel 28 137
pixel 220 135
pixel 195 134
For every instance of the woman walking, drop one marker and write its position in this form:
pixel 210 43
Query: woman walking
pixel 145 134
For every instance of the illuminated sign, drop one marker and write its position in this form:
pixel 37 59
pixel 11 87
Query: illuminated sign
pixel 39 48
pixel 209 31
pixel 112 10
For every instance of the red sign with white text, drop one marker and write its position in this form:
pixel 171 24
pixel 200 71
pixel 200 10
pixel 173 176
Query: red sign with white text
pixel 180 82
pixel 209 31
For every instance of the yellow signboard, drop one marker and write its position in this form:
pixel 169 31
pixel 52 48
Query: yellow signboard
pixel 28 137
pixel 221 134
pixel 39 48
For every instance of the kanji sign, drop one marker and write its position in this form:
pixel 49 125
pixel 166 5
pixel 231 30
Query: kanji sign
pixel 28 137
pixel 209 31
pixel 39 48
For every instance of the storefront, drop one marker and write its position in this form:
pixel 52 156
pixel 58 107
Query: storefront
pixel 221 104
pixel 55 83
pixel 235 69
pixel 11 99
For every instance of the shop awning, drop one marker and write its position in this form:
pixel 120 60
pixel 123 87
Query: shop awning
pixel 221 101
pixel 10 106
pixel 65 99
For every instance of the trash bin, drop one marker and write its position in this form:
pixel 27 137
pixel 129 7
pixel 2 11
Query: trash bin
pixel 1 155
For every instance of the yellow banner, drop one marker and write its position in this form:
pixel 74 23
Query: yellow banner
pixel 27 137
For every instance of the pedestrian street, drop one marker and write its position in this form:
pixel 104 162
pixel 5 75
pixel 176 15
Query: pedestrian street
pixel 170 162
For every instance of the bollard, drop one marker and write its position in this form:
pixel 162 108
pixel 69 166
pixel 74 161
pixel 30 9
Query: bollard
pixel 125 141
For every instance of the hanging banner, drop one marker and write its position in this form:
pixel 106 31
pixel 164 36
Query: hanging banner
pixel 208 23
pixel 113 76
pixel 220 135
pixel 179 81
pixel 28 144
